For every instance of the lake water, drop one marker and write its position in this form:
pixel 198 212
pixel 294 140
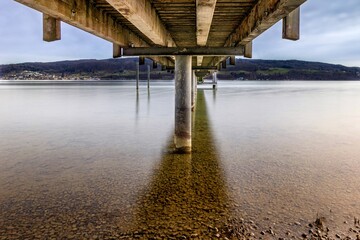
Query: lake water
pixel 92 160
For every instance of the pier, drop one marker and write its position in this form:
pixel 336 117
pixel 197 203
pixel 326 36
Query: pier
pixel 194 37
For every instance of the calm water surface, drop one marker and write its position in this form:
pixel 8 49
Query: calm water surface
pixel 92 160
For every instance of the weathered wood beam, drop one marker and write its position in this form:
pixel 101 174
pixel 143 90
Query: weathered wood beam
pixel 117 50
pixel 51 28
pixel 193 51
pixel 164 61
pixel 84 15
pixel 204 16
pixel 263 15
pixel 144 17
pixel 196 68
pixel 81 14
pixel 248 50
pixel 291 25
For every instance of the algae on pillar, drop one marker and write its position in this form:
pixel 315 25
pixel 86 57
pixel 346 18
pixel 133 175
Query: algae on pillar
pixel 183 71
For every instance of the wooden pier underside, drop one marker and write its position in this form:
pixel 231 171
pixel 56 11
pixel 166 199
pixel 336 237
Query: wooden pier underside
pixel 173 23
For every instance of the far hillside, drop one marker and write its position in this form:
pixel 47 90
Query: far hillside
pixel 124 68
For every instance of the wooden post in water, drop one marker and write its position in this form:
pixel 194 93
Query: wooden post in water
pixel 148 76
pixel 214 80
pixel 137 75
pixel 193 90
pixel 182 138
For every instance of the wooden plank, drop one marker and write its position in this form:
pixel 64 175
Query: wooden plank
pixel 193 51
pixel 144 17
pixel 263 16
pixel 82 15
pixel 248 50
pixel 291 25
pixel 51 28
pixel 204 16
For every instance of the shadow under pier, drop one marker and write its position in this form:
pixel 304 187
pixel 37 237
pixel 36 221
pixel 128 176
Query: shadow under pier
pixel 187 197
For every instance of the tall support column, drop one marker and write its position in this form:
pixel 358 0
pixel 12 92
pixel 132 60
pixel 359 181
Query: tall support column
pixel 183 72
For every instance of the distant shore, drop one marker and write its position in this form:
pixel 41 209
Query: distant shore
pixel 125 69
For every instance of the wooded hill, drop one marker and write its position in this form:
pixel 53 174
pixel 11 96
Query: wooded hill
pixel 124 68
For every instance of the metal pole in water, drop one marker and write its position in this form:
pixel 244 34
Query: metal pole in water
pixel 137 75
pixel 148 76
pixel 182 138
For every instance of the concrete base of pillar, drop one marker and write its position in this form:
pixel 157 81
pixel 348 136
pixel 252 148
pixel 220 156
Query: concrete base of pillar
pixel 182 145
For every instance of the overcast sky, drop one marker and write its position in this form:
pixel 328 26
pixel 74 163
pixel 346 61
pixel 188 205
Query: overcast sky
pixel 330 32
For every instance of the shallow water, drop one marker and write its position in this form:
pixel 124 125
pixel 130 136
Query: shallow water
pixel 92 160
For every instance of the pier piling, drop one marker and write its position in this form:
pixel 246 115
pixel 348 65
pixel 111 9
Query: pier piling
pixel 183 72
pixel 148 76
pixel 137 75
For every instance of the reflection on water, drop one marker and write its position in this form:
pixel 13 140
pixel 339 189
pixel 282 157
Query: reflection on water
pixel 187 196
pixel 90 160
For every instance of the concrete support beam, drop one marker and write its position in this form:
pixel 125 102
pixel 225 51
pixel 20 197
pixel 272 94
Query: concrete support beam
pixel 194 51
pixel 51 28
pixel 248 50
pixel 88 18
pixel 204 16
pixel 144 17
pixel 263 16
pixel 84 15
pixel 291 25
pixel 182 138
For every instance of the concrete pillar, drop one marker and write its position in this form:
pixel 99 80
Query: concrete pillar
pixel 182 138
pixel 148 76
pixel 137 75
